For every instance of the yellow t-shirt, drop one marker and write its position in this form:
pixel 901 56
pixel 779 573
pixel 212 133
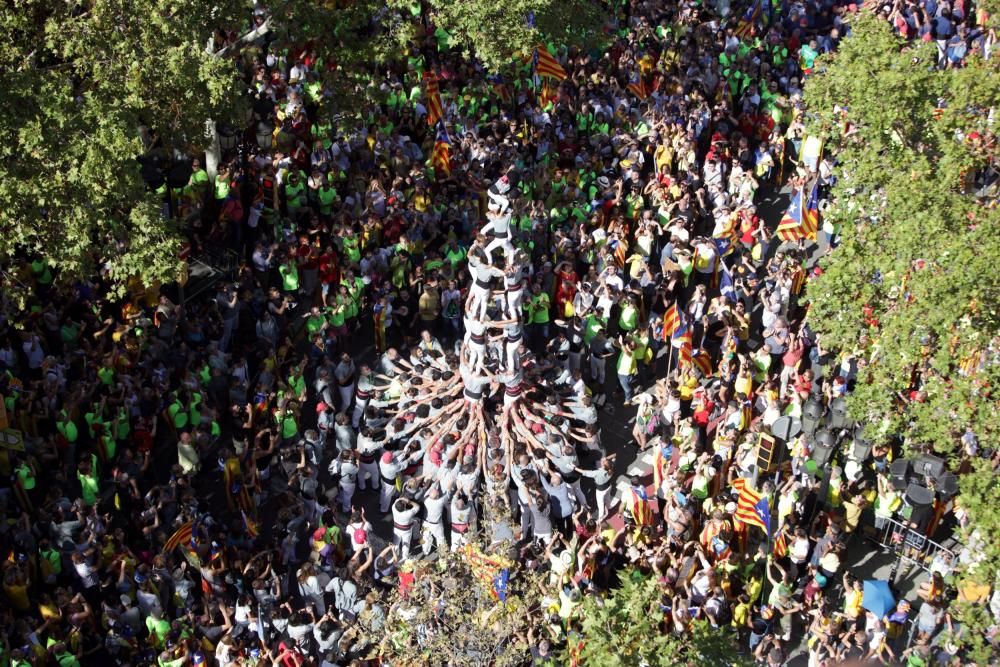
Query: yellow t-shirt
pixel 18 596
pixel 852 603
pixel 744 385
pixel 687 386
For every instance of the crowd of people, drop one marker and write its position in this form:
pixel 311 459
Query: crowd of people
pixel 196 480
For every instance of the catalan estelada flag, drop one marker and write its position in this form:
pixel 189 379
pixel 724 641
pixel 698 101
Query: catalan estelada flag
pixel 790 227
pixel 810 216
pixel 752 507
pixel 545 65
pixel 748 22
pixel 638 87
pixel 682 340
pixel 441 155
pixel 435 111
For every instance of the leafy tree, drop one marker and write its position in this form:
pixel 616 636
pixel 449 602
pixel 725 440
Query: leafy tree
pixel 451 614
pixel 979 561
pixel 912 290
pixel 495 33
pixel 80 79
pixel 625 628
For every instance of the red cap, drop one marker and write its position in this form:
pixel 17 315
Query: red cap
pixel 321 407
pixel 387 457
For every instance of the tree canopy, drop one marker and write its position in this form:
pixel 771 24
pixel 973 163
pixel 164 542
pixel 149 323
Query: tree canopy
pixel 624 628
pixel 83 81
pixel 912 290
pixel 495 34
pixel 80 79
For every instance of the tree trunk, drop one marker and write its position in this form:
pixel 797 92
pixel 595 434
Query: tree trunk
pixel 213 153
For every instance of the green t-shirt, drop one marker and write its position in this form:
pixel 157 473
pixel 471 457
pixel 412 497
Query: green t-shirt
pixel 194 414
pixel 314 324
pixel 338 313
pixel 592 326
pixel 289 277
pixel 178 414
pixel 322 132
pixel 626 363
pixel 90 488
pixel 68 430
pixel 26 477
pixel 158 628
pixel 289 428
pixel 352 249
pixel 67 659
pixel 327 196
pixel 106 376
pixel 69 332
pixel 540 309
pixel 110 447
pixel 221 187
pixel 629 318
pixel 807 56
pixel 41 270
pixel 54 559
pixel 294 194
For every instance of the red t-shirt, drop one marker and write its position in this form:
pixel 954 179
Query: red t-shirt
pixel 329 272
pixel 793 355
pixel 702 414
pixel 308 257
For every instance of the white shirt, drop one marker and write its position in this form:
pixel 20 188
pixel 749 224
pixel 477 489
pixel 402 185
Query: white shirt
pixel 33 350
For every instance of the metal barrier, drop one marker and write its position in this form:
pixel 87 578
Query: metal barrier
pixel 205 270
pixel 911 546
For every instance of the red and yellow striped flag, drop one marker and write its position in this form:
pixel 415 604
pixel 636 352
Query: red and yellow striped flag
pixel 181 536
pixel 546 65
pixel 620 254
pixel 432 89
pixel 671 320
pixel 746 415
pixel 703 361
pixel 685 352
pixel 781 545
pixel 547 95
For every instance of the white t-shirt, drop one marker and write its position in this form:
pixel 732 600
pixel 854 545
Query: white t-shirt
pixel 87 574
pixel 33 350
